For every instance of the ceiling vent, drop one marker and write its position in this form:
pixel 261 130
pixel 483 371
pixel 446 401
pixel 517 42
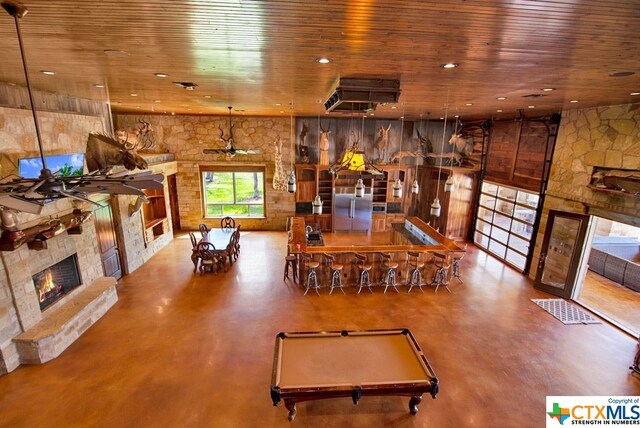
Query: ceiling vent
pixel 362 95
pixel 533 96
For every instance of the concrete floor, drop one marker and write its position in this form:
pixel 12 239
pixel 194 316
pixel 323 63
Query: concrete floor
pixel 184 350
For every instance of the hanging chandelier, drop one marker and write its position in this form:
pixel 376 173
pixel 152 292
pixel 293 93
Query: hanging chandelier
pixel 355 159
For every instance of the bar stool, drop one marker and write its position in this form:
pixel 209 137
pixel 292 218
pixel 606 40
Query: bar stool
pixel 312 275
pixel 291 261
pixel 336 272
pixel 389 279
pixel 440 273
pixel 455 266
pixel 363 272
pixel 415 276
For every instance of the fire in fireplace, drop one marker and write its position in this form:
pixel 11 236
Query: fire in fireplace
pixel 57 280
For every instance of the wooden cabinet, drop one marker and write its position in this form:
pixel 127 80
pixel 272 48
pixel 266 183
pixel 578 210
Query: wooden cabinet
pixel 306 176
pixel 323 220
pixel 456 215
pixel 378 222
pixel 393 218
pixel 325 190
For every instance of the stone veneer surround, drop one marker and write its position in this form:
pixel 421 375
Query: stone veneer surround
pixel 602 136
pixel 187 136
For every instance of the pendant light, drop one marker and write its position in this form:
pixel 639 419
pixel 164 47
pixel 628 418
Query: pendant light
pixel 360 187
pixel 291 181
pixel 415 187
pixel 317 205
pixel 397 186
pixel 450 184
pixel 435 206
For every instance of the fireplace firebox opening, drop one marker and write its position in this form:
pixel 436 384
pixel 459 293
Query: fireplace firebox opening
pixel 56 281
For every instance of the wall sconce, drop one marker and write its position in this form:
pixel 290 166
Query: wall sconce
pixel 317 205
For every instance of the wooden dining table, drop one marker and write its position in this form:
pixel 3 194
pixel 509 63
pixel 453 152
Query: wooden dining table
pixel 219 237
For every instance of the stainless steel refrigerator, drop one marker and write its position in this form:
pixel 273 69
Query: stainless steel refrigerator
pixel 351 214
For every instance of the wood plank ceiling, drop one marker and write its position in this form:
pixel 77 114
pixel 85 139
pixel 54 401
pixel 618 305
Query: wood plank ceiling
pixel 261 55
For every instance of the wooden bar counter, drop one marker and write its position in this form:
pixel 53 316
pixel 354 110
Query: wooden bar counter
pixel 404 238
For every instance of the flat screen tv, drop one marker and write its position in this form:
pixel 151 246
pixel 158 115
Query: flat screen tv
pixel 70 165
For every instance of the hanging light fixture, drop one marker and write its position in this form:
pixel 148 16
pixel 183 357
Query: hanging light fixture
pixel 360 188
pixel 415 187
pixel 354 158
pixel 449 185
pixel 435 206
pixel 397 186
pixel 317 205
pixel 291 181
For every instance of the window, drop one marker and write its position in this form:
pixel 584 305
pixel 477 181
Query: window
pixel 233 191
pixel 505 221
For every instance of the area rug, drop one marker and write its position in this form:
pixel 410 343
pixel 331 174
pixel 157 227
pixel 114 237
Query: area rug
pixel 565 311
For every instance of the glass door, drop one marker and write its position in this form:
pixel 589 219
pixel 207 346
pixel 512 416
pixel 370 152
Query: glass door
pixel 561 251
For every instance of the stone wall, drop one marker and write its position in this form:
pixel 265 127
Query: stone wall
pixel 603 136
pixel 187 136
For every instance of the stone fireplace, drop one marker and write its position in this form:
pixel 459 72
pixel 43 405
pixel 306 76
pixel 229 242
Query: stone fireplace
pixel 56 281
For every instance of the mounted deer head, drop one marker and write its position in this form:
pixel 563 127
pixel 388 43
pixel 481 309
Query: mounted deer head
pixel 382 141
pixel 324 137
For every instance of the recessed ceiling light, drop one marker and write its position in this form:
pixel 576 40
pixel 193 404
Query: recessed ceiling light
pixel 173 113
pixel 99 85
pixel 371 114
pixel 634 93
pixel 115 53
pixel 393 107
pixel 469 104
pixel 323 60
pixel 622 74
pixel 47 72
pixel 449 65
pixel 137 106
pixel 278 104
pixel 442 118
pixel 134 95
pixel 157 101
pixel 281 111
pixel 456 116
pixel 160 74
pixel 501 98
pixel 401 117
pixel 548 89
pixel 499 111
pixel 207 96
pixel 573 101
pixel 531 106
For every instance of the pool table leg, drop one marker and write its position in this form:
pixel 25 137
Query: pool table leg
pixel 291 407
pixel 413 404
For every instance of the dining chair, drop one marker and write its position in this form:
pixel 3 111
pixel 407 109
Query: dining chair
pixel 203 229
pixel 195 258
pixel 227 223
pixel 210 258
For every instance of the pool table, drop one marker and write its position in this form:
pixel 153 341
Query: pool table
pixel 316 365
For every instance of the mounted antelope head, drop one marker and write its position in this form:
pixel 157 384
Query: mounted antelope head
pixel 324 137
pixel 382 141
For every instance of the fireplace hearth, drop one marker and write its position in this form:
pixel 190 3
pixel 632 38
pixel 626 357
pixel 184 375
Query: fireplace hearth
pixel 56 281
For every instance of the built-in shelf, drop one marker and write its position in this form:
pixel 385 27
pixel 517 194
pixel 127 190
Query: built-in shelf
pixel 154 215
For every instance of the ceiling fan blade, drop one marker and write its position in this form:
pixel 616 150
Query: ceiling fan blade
pixel 215 151
pixel 18 204
pixel 247 151
pixel 78 197
pixel 113 188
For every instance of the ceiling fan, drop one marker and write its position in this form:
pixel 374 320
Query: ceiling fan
pixel 229 148
pixel 30 194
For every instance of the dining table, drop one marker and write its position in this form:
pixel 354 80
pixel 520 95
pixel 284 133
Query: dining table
pixel 219 237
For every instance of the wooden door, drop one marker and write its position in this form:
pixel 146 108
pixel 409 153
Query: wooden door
pixel 561 251
pixel 107 242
